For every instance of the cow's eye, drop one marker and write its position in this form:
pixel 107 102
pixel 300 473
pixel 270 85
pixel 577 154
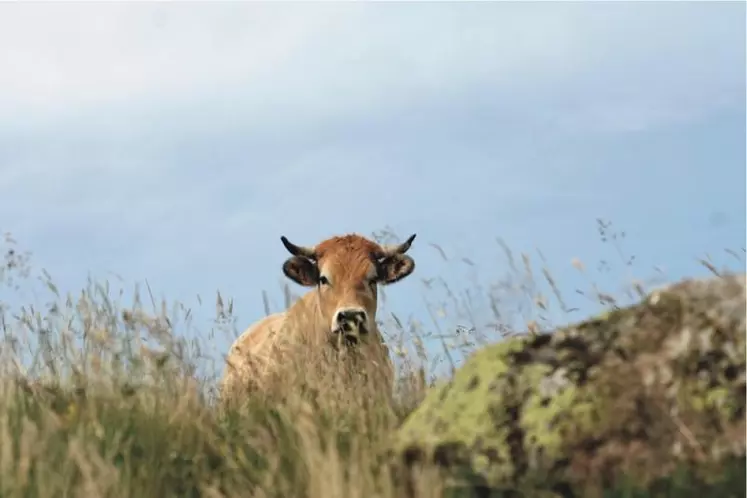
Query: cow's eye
pixel 323 280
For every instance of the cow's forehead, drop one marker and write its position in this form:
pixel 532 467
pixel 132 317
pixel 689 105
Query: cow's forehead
pixel 349 254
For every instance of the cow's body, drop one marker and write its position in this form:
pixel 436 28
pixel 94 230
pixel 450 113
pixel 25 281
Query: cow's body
pixel 338 314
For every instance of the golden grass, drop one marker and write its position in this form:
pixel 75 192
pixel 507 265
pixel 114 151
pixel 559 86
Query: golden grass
pixel 98 399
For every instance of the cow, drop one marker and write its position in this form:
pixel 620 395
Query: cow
pixel 337 314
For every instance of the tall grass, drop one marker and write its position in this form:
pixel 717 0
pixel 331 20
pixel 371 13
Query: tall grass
pixel 105 398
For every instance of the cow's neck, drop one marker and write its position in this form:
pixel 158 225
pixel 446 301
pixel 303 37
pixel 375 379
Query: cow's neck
pixel 305 316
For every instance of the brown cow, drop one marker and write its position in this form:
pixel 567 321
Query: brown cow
pixel 339 313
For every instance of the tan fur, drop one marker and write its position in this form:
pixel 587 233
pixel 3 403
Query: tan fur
pixel 265 345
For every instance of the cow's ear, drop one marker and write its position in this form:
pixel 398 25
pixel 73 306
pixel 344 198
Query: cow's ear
pixel 395 268
pixel 302 271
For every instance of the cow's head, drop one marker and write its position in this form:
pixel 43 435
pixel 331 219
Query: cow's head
pixel 346 270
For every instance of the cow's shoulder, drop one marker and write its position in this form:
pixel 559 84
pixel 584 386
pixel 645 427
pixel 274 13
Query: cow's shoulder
pixel 259 333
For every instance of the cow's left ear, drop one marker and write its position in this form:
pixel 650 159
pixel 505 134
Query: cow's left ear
pixel 395 268
pixel 302 271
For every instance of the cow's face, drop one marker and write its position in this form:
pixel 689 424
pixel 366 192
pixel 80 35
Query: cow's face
pixel 346 270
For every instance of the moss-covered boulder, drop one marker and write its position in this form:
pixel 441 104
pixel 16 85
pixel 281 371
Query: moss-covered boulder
pixel 637 394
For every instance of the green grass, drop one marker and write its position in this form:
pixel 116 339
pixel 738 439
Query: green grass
pixel 106 403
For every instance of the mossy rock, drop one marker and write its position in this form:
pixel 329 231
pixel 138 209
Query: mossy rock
pixel 634 395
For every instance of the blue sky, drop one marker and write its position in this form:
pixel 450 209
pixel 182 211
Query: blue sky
pixel 178 142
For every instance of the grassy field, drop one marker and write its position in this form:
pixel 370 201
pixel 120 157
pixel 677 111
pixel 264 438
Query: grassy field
pixel 99 400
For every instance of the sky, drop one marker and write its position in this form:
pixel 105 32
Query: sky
pixel 176 142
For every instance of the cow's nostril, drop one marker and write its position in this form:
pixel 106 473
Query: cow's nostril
pixel 350 316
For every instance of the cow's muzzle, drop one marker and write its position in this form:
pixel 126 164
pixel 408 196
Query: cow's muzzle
pixel 350 324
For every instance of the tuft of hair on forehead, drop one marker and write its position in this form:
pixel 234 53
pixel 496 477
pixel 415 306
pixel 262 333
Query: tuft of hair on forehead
pixel 351 243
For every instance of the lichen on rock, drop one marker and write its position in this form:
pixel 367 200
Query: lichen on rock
pixel 634 393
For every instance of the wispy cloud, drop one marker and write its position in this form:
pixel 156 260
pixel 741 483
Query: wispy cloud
pixel 277 62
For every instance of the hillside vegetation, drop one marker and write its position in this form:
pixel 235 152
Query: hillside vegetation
pixel 99 399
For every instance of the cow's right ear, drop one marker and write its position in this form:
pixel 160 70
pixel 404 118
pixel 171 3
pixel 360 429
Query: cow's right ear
pixel 302 271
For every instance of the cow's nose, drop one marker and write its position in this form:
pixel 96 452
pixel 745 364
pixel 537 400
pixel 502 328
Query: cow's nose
pixel 351 319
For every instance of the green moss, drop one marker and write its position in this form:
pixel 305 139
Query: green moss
pixel 635 392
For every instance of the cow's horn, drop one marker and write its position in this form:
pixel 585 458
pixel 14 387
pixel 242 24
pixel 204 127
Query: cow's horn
pixel 306 252
pixel 391 250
